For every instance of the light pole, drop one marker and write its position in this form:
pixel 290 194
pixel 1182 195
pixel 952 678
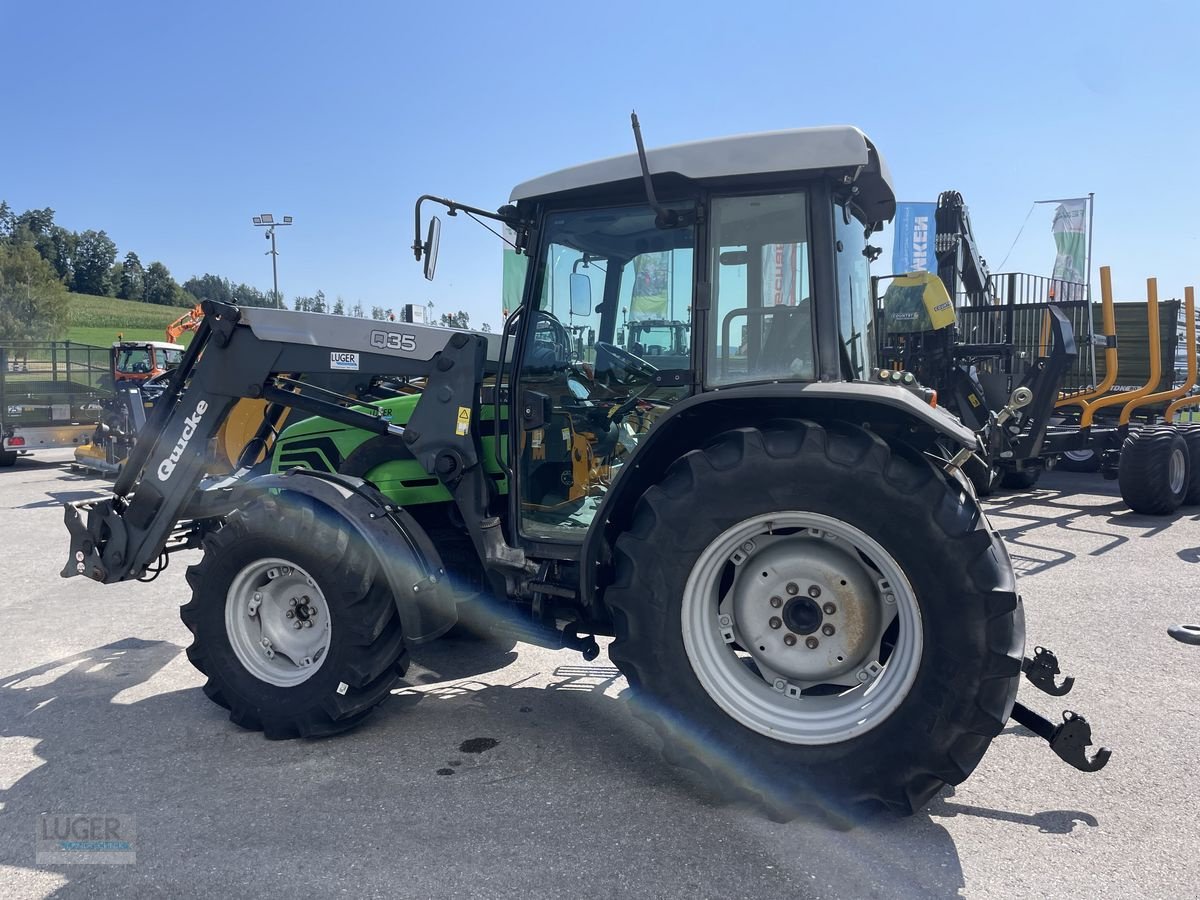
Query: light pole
pixel 267 221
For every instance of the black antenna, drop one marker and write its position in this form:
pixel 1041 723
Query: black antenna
pixel 663 218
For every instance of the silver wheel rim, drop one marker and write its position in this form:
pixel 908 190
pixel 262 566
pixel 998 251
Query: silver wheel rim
pixel 1079 455
pixel 845 685
pixel 277 622
pixel 1175 471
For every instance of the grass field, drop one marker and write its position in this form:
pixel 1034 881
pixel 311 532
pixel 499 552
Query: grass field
pixel 98 320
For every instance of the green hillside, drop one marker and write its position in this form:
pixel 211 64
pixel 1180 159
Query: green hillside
pixel 99 320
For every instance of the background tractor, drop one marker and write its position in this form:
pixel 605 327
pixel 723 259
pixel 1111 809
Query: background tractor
pixel 806 599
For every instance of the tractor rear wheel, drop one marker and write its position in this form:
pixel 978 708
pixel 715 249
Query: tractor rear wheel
pixel 835 624
pixel 293 621
pixel 1154 470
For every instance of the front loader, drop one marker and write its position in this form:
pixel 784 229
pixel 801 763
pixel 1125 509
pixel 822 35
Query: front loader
pixel 805 597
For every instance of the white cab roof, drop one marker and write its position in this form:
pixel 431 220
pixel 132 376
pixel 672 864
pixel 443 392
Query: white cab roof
pixel 795 150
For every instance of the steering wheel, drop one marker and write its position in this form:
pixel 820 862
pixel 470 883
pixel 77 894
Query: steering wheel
pixel 551 351
pixel 610 357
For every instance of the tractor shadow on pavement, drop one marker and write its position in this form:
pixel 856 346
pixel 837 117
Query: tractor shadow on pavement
pixel 485 762
pixel 1077 503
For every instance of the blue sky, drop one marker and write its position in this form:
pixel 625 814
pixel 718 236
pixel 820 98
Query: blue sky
pixel 169 125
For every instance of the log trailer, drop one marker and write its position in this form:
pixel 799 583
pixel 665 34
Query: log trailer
pixel 806 598
pixel 1001 352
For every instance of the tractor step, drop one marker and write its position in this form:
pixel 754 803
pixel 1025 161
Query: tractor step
pixel 1041 668
pixel 1069 740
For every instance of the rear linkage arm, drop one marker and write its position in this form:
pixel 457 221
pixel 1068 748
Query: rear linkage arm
pixel 1070 739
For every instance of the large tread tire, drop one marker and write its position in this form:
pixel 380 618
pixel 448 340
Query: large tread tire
pixel 1144 470
pixel 973 622
pixel 367 653
pixel 1191 436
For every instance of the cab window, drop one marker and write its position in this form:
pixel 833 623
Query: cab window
pixel 760 322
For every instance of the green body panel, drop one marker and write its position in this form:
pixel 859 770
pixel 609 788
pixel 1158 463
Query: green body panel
pixel 325 445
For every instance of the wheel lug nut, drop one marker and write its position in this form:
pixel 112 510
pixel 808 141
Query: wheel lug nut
pixel 829 609
pixel 290 614
pixel 776 602
pixel 775 622
pixel 789 639
pixel 294 602
pixel 793 588
pixel 811 643
pixel 297 625
pixel 814 591
pixel 827 630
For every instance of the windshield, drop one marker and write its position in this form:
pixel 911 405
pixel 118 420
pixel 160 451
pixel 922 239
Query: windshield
pixel 134 361
pixel 855 315
pixel 171 358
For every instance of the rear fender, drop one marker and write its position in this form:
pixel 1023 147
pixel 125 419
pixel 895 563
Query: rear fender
pixel 407 556
pixel 891 410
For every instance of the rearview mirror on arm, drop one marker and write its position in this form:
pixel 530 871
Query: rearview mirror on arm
pixel 581 295
pixel 431 247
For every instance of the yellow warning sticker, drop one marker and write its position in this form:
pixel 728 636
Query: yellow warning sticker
pixel 464 421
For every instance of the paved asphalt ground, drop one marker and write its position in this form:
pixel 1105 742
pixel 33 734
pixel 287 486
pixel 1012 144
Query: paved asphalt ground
pixel 100 712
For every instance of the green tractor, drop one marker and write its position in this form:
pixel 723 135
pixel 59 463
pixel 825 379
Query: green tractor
pixel 805 596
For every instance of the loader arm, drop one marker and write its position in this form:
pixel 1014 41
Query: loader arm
pixel 263 353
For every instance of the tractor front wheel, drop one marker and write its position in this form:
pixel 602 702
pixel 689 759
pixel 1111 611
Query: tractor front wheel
pixel 811 618
pixel 293 621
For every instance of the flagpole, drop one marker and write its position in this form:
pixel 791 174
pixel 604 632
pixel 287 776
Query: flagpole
pixel 1088 288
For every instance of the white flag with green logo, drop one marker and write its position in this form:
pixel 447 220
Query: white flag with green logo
pixel 1070 237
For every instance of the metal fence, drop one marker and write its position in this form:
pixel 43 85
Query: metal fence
pixel 43 382
pixel 1017 316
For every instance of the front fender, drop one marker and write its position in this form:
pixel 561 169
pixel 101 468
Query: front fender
pixel 407 556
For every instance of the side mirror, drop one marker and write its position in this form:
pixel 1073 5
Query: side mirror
pixel 431 247
pixel 581 295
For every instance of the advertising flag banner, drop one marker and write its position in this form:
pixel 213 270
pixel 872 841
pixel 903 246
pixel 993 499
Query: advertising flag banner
pixel 1070 237
pixel 779 274
pixel 651 285
pixel 912 250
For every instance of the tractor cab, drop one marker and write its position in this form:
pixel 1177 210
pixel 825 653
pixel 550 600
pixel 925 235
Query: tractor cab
pixel 141 360
pixel 735 262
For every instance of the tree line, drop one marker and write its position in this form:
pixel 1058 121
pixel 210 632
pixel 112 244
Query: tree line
pixel 40 260
pixel 86 262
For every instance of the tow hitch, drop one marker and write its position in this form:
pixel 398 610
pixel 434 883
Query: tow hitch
pixel 1041 668
pixel 1070 739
